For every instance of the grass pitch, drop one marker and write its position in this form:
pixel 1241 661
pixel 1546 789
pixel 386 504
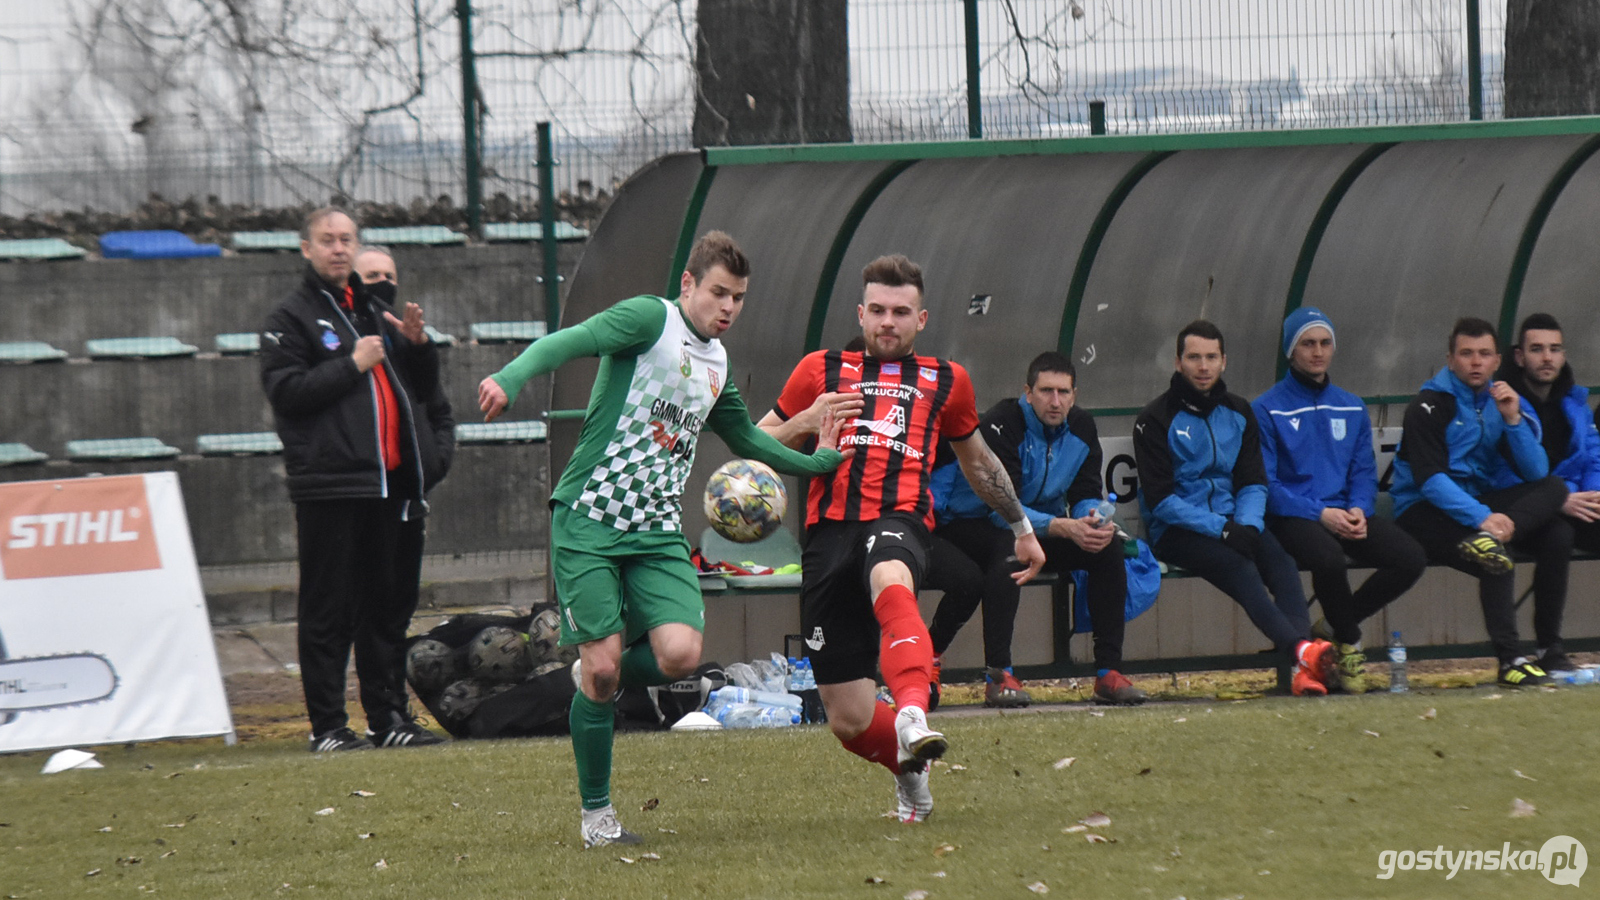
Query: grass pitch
pixel 1278 797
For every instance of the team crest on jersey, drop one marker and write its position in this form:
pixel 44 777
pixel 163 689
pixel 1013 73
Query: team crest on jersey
pixel 330 340
pixel 711 379
pixel 1338 428
pixel 687 365
pixel 928 374
pixel 891 368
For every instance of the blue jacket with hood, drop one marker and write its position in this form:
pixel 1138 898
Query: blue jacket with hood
pixel 1579 465
pixel 1053 469
pixel 1456 447
pixel 1199 458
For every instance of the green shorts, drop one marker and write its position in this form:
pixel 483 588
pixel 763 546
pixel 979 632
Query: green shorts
pixel 610 581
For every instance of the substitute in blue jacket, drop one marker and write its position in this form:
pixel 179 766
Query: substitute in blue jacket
pixel 1051 450
pixel 1203 494
pixel 1464 434
pixel 1322 479
pixel 1560 409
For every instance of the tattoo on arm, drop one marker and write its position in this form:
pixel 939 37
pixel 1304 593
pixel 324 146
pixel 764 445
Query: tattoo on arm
pixel 992 485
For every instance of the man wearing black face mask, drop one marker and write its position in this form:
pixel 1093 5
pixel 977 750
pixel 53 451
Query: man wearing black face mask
pixel 377 271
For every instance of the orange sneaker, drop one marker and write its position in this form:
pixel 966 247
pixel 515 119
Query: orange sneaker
pixel 935 682
pixel 1315 668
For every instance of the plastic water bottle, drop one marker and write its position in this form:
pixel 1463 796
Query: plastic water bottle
pixel 796 676
pixel 1106 509
pixel 733 695
pixel 1581 675
pixel 1397 665
pixel 759 715
pixel 808 677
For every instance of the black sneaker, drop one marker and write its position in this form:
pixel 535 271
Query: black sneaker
pixel 338 739
pixel 1521 672
pixel 404 734
pixel 1483 551
pixel 1555 660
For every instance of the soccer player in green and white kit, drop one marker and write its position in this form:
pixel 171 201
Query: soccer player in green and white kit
pixel 621 563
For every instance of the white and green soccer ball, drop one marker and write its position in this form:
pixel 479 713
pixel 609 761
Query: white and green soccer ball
pixel 745 501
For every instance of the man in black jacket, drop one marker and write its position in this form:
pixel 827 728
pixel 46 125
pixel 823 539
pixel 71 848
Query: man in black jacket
pixel 347 380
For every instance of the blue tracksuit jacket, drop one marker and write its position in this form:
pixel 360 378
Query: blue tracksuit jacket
pixel 1053 469
pixel 1199 459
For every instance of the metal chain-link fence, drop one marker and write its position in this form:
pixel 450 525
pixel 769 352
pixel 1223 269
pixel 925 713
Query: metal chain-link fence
pixel 240 107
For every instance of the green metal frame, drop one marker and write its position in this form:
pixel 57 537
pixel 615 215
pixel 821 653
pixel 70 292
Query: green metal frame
pixel 1091 245
pixel 1384 134
pixel 691 222
pixel 1530 235
pixel 841 243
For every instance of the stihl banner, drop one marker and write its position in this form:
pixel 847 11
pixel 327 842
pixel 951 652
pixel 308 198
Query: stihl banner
pixel 104 636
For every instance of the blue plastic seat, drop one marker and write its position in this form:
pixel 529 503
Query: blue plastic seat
pixel 153 245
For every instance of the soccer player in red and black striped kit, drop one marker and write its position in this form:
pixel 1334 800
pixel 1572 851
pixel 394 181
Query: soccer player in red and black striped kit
pixel 867 524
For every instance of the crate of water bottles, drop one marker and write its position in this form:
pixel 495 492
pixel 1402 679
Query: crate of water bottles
pixel 763 694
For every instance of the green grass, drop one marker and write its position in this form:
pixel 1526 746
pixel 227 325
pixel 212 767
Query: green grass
pixel 1276 797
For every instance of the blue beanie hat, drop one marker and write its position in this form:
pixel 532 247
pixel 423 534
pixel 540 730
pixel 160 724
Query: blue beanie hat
pixel 1297 323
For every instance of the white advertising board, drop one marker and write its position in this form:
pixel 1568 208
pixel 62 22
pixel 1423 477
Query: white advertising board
pixel 104 635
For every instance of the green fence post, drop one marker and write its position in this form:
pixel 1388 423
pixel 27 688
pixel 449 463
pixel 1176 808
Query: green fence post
pixel 974 101
pixel 547 230
pixel 470 121
pixel 1474 63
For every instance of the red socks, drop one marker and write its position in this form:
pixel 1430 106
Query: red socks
pixel 878 743
pixel 905 651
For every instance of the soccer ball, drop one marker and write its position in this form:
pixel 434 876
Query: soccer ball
pixel 499 654
pixel 460 699
pixel 430 665
pixel 745 501
pixel 544 637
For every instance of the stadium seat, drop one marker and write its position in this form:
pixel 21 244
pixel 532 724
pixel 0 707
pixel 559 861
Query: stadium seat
pixel 501 432
pixel 29 352
pixel 774 551
pixel 40 248
pixel 139 348
pixel 239 343
pixel 153 245
pixel 531 231
pixel 439 337
pixel 113 449
pixel 254 443
pixel 20 455
pixel 415 234
pixel 247 241
pixel 507 332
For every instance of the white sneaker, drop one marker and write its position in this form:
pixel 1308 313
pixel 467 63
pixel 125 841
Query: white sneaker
pixel 918 742
pixel 916 800
pixel 600 827
pixel 577 675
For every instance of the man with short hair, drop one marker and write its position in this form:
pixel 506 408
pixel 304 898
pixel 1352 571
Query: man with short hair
pixel 867 526
pixel 1203 493
pixel 629 595
pixel 1051 451
pixel 1464 435
pixel 1322 483
pixel 347 380
pixel 1559 408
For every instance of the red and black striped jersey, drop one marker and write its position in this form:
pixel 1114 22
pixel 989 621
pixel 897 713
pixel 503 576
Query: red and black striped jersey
pixel 908 404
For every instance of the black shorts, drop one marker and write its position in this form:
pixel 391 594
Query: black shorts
pixel 836 621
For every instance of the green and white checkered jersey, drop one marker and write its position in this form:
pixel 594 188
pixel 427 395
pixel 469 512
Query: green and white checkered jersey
pixel 637 484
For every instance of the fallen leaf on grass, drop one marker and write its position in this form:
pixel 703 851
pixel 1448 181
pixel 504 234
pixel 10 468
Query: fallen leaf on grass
pixel 938 874
pixel 129 860
pixel 361 793
pixel 917 895
pixel 169 853
pixel 943 849
pixel 105 830
pixel 1039 887
pixel 175 825
pixel 381 864
pixel 1074 829
pixel 1181 719
pixel 624 859
pixel 91 873
pixel 1099 839
pixel 652 856
pixel 1065 762
pixel 650 804
pixel 873 879
pixel 1430 714
pixel 1522 809
pixel 1520 775
pixel 957 767
pixel 1096 819
pixel 1370 733
pixel 667 830
pixel 370 834
pixel 1098 714
pixel 1145 771
pixel 325 811
pixel 1493 697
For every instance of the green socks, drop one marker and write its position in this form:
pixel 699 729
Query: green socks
pixel 593 726
pixel 639 667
